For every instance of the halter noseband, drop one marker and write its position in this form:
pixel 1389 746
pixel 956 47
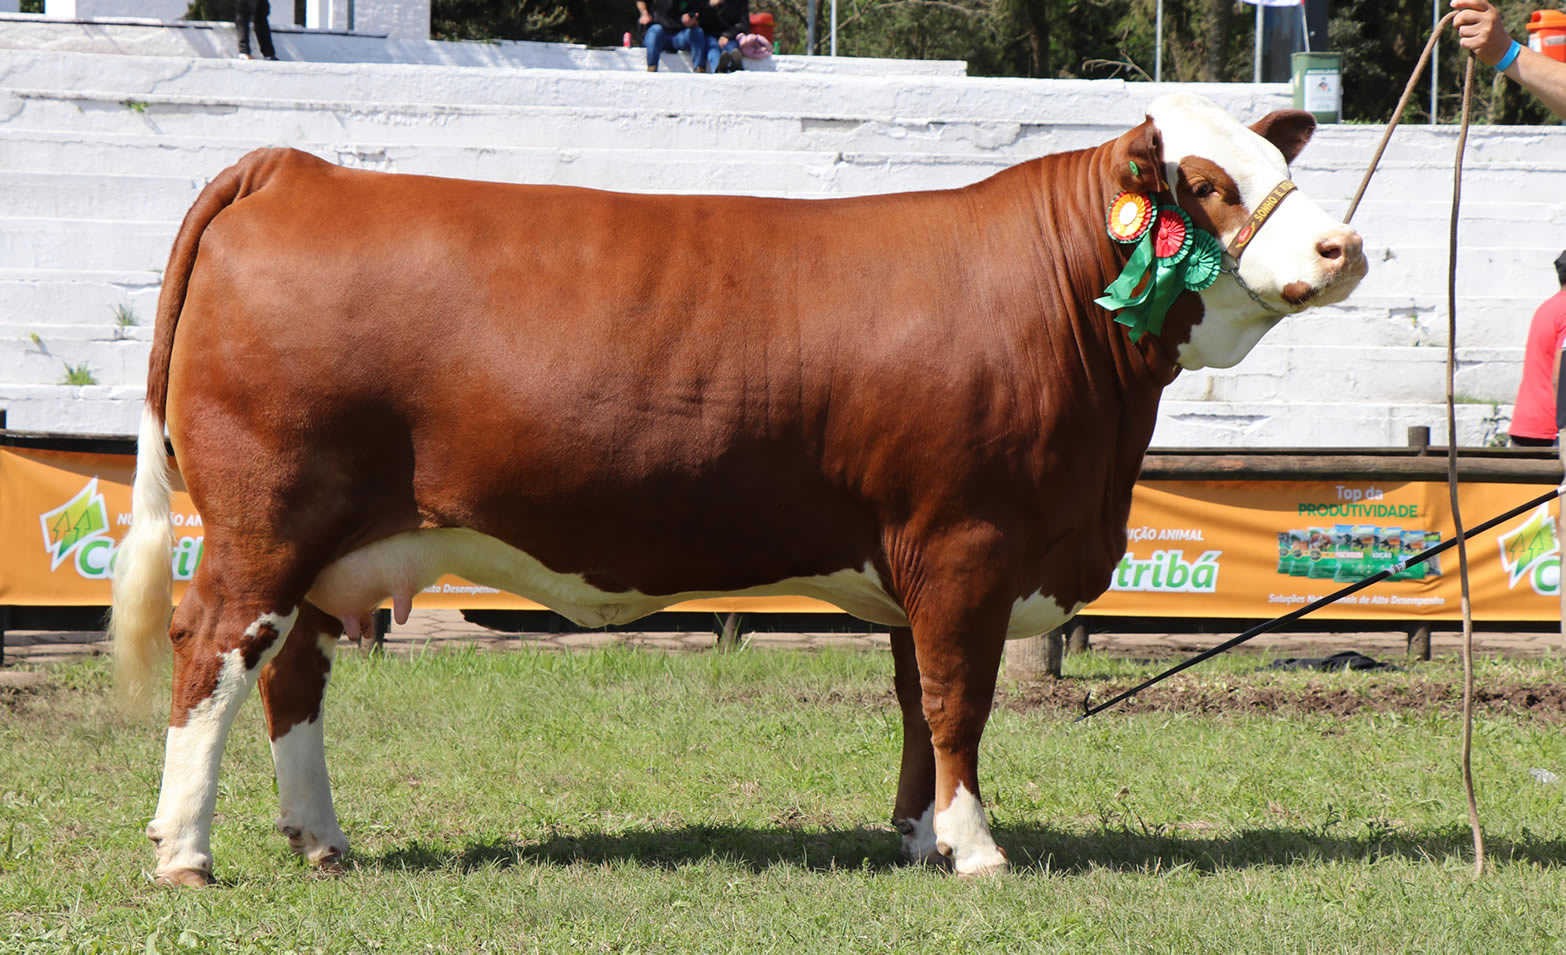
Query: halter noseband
pixel 1242 239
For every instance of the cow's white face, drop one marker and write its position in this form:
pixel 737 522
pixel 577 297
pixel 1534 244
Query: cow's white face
pixel 1220 170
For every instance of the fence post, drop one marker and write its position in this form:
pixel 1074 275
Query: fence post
pixel 729 632
pixel 1077 637
pixel 383 623
pixel 1032 658
pixel 1419 642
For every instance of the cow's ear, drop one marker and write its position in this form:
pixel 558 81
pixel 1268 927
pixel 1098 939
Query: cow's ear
pixel 1138 159
pixel 1288 129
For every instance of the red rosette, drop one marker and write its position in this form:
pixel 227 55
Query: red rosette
pixel 1130 216
pixel 1172 234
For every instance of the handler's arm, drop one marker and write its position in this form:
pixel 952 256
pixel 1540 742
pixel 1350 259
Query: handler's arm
pixel 1479 30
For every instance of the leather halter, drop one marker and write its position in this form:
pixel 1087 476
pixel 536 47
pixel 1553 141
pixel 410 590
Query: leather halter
pixel 1242 239
pixel 1260 215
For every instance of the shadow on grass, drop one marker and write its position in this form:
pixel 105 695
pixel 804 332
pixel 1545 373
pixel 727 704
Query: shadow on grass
pixel 1035 848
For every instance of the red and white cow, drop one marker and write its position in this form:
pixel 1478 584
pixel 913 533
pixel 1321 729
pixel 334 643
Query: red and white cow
pixel 908 405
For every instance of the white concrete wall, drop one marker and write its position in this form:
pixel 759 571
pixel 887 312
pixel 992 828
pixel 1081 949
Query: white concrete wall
pixel 101 153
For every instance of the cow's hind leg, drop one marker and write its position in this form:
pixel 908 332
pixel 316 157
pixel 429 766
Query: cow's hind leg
pixel 293 690
pixel 959 652
pixel 914 811
pixel 220 646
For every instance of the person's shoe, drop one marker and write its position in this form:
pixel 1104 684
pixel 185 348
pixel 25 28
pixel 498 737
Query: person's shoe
pixel 652 69
pixel 271 57
pixel 242 56
pixel 699 69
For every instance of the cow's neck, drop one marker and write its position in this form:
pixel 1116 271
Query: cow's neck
pixel 1109 382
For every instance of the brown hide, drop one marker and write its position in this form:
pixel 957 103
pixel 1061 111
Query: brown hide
pixel 664 393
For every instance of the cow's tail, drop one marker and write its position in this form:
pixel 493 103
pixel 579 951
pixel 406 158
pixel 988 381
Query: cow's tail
pixel 143 598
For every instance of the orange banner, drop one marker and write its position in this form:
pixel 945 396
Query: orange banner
pixel 1258 549
pixel 1241 549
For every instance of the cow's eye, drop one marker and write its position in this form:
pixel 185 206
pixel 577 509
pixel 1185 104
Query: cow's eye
pixel 1203 190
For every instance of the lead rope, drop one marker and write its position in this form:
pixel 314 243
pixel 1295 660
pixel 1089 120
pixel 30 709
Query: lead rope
pixel 1451 408
pixel 1451 478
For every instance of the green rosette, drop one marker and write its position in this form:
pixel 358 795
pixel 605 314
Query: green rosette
pixel 1203 262
pixel 1169 258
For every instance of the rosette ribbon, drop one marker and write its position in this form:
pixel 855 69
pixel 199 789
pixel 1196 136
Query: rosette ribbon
pixel 1169 257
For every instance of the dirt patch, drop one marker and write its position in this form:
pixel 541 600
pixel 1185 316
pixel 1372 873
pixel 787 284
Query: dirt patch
pixel 1541 701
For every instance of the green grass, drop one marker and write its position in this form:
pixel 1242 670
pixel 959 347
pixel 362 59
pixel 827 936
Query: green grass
pixel 642 802
pixel 125 316
pixel 78 374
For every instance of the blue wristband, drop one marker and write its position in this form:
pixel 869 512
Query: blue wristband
pixel 1509 58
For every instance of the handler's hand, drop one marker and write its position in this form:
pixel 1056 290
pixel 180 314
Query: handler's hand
pixel 1479 30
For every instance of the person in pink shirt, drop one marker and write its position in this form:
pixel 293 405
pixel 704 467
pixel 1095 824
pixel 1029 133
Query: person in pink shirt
pixel 1533 419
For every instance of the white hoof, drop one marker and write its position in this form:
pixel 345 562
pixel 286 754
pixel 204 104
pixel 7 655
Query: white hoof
pixel 919 839
pixel 963 835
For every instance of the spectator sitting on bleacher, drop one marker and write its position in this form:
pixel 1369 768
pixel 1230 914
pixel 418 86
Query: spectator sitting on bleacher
pixel 723 21
pixel 672 25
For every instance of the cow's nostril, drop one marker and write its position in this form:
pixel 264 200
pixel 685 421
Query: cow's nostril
pixel 1329 249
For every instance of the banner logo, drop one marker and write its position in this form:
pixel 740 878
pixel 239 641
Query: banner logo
pixel 73 525
pixel 1168 572
pixel 1531 552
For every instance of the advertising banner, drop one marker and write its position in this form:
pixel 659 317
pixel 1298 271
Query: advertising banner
pixel 1236 549
pixel 1258 549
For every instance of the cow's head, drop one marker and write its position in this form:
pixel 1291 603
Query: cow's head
pixel 1220 172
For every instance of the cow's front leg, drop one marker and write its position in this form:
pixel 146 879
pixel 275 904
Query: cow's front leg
pixel 914 811
pixel 293 691
pixel 219 650
pixel 958 658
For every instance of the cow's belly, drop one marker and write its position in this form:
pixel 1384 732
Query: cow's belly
pixel 399 566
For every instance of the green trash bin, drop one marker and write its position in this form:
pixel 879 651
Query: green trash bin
pixel 1318 85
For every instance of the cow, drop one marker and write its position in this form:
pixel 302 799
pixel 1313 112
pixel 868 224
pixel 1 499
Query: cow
pixel 909 405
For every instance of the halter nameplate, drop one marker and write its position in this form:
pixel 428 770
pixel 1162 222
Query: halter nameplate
pixel 1262 213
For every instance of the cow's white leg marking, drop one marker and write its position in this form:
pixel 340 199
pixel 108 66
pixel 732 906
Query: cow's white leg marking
pixel 963 834
pixel 304 790
pixel 182 827
pixel 919 838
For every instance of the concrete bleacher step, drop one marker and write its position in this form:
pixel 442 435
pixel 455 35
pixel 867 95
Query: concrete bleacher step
pixel 391 123
pixel 1350 424
pixel 112 355
pixel 114 245
pixel 953 98
pixel 44 298
pixel 28 194
pixel 91 409
pixel 1273 372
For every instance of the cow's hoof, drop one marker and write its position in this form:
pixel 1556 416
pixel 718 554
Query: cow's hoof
pixel 332 862
pixel 981 863
pixel 325 854
pixel 918 838
pixel 195 878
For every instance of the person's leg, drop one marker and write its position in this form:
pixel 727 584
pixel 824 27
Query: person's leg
pixel 656 40
pixel 714 54
pixel 264 29
pixel 699 44
pixel 242 12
